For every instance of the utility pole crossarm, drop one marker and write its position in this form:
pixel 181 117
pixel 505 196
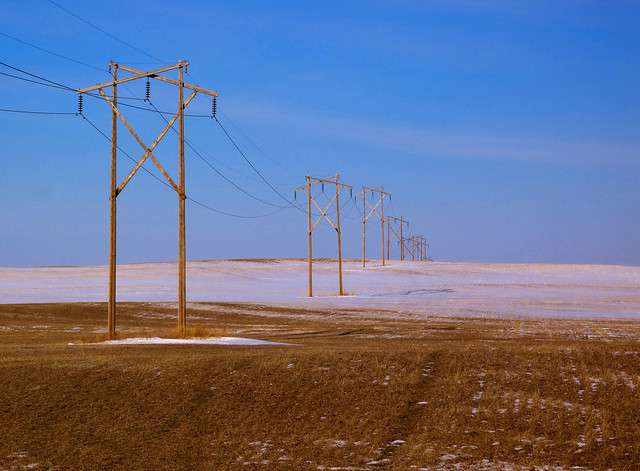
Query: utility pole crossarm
pixel 195 88
pixel 152 74
pixel 138 75
pixel 321 180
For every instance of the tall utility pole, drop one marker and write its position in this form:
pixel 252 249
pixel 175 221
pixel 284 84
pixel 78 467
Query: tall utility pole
pixel 179 188
pixel 311 181
pixel 391 233
pixel 373 209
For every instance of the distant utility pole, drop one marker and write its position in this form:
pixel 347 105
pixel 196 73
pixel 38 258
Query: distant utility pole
pixel 405 244
pixel 411 247
pixel 311 181
pixel 391 233
pixel 148 152
pixel 373 209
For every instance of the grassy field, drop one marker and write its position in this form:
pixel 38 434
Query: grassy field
pixel 353 391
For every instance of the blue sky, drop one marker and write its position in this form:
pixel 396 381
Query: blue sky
pixel 505 131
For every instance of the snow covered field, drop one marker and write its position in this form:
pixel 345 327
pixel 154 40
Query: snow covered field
pixel 411 289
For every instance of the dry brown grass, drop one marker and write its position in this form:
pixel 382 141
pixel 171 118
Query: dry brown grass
pixel 193 332
pixel 355 393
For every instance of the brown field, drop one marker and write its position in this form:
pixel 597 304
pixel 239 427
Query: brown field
pixel 354 392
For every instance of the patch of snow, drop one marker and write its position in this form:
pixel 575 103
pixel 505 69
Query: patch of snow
pixel 209 341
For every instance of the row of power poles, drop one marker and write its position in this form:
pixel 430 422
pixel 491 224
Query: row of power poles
pixel 415 246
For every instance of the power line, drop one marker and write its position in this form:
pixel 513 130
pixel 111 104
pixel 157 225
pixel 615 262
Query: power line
pixel 50 52
pixel 54 84
pixel 37 76
pixel 253 167
pixel 225 213
pixel 124 152
pixel 161 113
pixel 256 146
pixel 235 215
pixel 105 32
pixel 36 112
pixel 50 83
pixel 218 171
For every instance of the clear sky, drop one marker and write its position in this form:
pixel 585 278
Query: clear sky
pixel 504 131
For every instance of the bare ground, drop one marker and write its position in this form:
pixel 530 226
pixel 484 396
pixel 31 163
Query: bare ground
pixel 357 390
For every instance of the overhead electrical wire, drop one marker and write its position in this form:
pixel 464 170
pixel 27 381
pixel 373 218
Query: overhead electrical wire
pixel 51 83
pixel 252 166
pixel 64 87
pixel 37 112
pixel 51 52
pixel 105 32
pixel 256 146
pixel 218 171
pixel 125 153
pixel 225 213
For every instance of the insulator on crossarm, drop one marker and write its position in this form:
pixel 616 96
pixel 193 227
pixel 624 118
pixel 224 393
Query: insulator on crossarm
pixel 80 103
pixel 147 92
pixel 295 195
pixel 323 187
pixel 214 107
pixel 351 192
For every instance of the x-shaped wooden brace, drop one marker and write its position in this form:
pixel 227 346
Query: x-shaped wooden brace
pixel 412 248
pixel 323 211
pixel 373 208
pixel 393 231
pixel 148 150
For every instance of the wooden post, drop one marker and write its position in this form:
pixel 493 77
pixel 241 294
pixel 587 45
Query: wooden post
pixel 338 229
pixel 364 226
pixel 401 241
pixel 382 222
pixel 111 308
pixel 182 264
pixel 388 239
pixel 310 230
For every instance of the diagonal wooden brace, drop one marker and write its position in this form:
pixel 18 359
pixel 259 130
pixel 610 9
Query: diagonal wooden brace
pixel 373 208
pixel 324 213
pixel 142 144
pixel 152 146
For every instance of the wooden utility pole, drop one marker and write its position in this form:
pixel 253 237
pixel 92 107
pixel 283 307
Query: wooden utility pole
pixel 180 188
pixel 111 308
pixel 423 249
pixel 373 209
pixel 311 181
pixel 412 247
pixel 391 233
